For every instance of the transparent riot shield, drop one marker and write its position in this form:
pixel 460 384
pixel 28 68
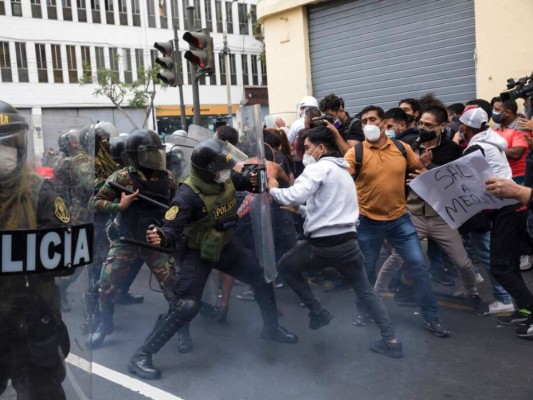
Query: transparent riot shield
pixel 47 240
pixel 251 142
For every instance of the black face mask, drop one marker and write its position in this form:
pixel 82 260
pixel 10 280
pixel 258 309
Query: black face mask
pixel 426 136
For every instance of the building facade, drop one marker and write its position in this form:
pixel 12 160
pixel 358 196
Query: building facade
pixel 47 46
pixel 380 51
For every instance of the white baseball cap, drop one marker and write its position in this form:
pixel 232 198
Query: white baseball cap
pixel 308 101
pixel 474 117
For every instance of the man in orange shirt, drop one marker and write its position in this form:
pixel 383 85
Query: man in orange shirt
pixel 380 179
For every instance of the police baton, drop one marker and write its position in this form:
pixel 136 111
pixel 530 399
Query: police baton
pixel 145 245
pixel 142 197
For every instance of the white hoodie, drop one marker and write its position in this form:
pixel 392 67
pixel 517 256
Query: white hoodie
pixel 494 147
pixel 328 190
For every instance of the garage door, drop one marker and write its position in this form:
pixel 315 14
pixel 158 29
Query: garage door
pixel 380 51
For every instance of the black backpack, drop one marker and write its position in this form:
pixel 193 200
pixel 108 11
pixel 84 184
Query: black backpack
pixel 358 150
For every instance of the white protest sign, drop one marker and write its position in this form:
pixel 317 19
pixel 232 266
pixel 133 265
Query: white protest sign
pixel 456 190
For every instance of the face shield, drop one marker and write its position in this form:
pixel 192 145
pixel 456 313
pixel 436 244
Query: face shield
pixel 228 157
pixel 152 157
pixel 12 153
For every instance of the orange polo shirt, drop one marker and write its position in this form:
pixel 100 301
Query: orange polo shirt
pixel 381 182
pixel 515 138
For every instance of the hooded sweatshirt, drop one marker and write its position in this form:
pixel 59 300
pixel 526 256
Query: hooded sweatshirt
pixel 328 192
pixel 494 147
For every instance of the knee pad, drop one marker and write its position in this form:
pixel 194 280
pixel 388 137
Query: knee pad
pixel 187 307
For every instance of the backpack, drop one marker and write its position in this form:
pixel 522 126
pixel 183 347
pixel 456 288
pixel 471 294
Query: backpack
pixel 358 150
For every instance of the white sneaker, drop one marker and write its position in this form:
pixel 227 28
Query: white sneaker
pixel 479 278
pixel 525 262
pixel 498 307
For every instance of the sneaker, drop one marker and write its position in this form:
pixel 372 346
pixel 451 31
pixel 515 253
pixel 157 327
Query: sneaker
pixel 441 277
pixel 246 295
pixel 526 330
pixel 460 292
pixel 526 262
pixel 479 278
pixel 393 350
pixel 360 319
pixel 497 307
pixel 480 307
pixel 279 285
pixel 519 317
pixel 436 327
pixel 319 320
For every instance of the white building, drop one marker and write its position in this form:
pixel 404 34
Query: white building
pixel 44 44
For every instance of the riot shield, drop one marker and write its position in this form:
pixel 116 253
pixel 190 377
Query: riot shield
pixel 45 242
pixel 251 142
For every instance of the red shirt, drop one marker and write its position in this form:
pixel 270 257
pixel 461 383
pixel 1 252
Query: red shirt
pixel 515 138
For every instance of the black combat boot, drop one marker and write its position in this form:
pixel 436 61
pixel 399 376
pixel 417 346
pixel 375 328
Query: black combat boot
pixel 104 328
pixel 264 295
pixel 185 344
pixel 141 365
pixel 91 312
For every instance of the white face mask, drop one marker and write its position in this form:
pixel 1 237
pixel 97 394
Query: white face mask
pixel 372 133
pixel 223 176
pixel 309 159
pixel 8 160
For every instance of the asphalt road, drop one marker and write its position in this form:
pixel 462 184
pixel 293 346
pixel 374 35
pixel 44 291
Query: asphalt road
pixel 481 360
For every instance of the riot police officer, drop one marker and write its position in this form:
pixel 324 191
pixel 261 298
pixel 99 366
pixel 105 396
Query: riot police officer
pixel 33 339
pixel 203 211
pixel 146 174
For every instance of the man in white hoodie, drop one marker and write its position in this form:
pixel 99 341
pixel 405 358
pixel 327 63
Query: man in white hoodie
pixel 330 211
pixel 508 223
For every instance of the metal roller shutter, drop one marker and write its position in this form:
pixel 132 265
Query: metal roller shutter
pixel 380 51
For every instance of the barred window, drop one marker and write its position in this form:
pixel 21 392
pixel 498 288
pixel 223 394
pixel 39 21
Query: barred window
pixel 57 66
pixel 22 62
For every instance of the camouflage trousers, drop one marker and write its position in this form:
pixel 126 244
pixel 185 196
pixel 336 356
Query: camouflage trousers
pixel 116 268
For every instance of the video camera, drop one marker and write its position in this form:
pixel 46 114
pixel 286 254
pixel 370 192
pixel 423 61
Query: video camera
pixel 523 88
pixel 320 121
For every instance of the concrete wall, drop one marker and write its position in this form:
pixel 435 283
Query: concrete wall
pixel 503 44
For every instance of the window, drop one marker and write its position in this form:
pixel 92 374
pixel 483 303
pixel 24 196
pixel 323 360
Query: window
pixel 151 13
pixel 5 63
pixel 139 58
pixel 208 15
pixel 100 63
pixel 163 20
pixel 263 72
pixel 197 14
pixel 153 55
pixel 123 12
pixel 82 10
pixel 67 10
pixel 22 62
pixel 229 17
pixel 36 9
pixel 57 68
pixel 109 14
pixel 185 3
pixel 222 61
pixel 232 69
pixel 218 16
pixel 2 8
pixel 51 8
pixel 16 8
pixel 40 53
pixel 126 62
pixel 175 13
pixel 113 62
pixel 245 74
pixel 243 19
pixel 255 76
pixel 86 62
pixel 136 13
pixel 71 64
pixel 95 10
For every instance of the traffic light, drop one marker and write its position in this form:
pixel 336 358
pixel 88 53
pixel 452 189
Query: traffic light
pixel 169 62
pixel 200 51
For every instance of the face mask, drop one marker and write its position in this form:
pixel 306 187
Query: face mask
pixel 461 135
pixel 309 159
pixel 391 134
pixel 223 176
pixel 337 124
pixel 8 160
pixel 497 117
pixel 372 133
pixel 426 136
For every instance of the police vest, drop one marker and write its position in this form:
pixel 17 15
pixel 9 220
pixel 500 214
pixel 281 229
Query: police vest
pixel 217 206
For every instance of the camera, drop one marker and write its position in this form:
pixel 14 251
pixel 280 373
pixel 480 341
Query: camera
pixel 523 88
pixel 320 121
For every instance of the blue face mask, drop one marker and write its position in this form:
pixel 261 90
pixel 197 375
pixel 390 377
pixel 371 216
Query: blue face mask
pixel 391 134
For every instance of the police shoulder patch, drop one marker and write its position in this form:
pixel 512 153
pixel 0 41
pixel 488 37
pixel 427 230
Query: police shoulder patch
pixel 171 213
pixel 61 211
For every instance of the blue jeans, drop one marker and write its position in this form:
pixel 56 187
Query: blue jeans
pixel 478 244
pixel 402 235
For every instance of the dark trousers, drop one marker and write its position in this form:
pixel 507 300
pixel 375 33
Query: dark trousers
pixel 508 230
pixel 348 259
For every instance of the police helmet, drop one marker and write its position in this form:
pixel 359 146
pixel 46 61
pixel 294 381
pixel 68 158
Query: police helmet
pixel 117 149
pixel 104 132
pixel 143 148
pixel 179 132
pixel 213 155
pixel 13 132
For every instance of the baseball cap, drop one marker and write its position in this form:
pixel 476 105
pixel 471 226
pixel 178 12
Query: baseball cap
pixel 308 101
pixel 474 117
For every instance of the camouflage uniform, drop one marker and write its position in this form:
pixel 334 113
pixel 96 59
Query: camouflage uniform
pixel 130 224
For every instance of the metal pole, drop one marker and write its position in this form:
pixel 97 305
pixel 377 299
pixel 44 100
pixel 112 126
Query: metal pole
pixel 154 120
pixel 178 71
pixel 194 70
pixel 226 51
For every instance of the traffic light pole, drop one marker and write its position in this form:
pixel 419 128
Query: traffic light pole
pixel 177 55
pixel 226 51
pixel 194 70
